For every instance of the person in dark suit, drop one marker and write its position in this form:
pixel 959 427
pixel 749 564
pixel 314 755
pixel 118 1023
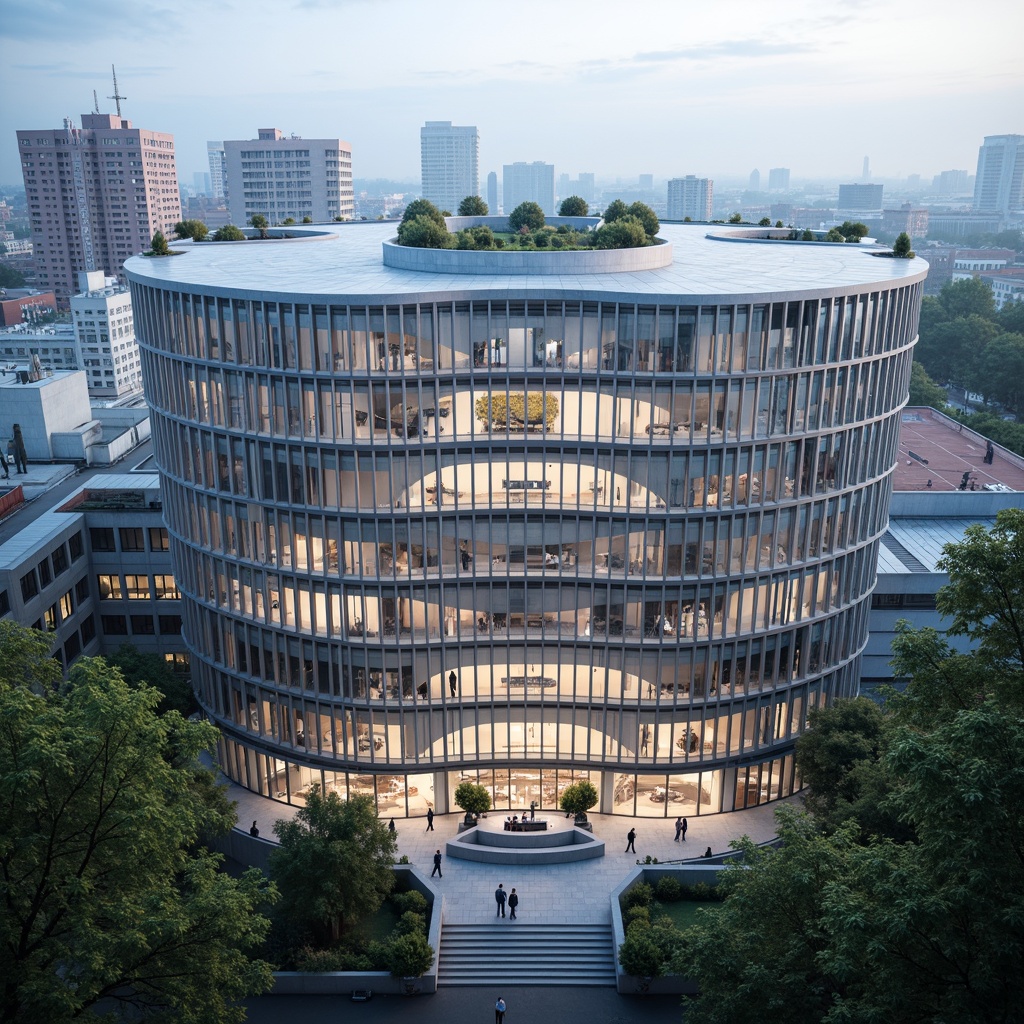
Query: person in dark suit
pixel 630 840
pixel 430 820
pixel 513 902
pixel 254 831
pixel 499 897
pixel 453 683
pixel 437 865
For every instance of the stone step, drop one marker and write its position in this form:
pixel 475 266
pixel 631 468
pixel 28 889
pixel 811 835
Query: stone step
pixel 508 953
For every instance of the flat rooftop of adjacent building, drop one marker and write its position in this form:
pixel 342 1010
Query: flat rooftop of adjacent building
pixel 346 259
pixel 938 449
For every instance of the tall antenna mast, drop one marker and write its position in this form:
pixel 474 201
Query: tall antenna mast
pixel 117 97
pixel 95 102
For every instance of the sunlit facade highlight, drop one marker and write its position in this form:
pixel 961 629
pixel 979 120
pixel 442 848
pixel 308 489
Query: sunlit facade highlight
pixel 524 528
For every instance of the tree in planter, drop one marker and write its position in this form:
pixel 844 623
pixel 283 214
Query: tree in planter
pixel 194 229
pixel 901 247
pixel 526 215
pixel 578 798
pixel 229 233
pixel 159 246
pixel 473 799
pixel 574 206
pixel 259 222
pixel 409 956
pixel 472 206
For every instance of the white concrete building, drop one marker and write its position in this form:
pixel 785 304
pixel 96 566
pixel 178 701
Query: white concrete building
pixel 690 197
pixel 999 183
pixel 529 183
pixel 449 163
pixel 280 177
pixel 105 337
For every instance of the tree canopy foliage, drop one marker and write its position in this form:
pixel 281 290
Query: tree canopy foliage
pixel 229 233
pixel 108 899
pixel 912 916
pixel 159 246
pixel 140 668
pixel 11 278
pixel 573 206
pixel 194 229
pixel 923 390
pixel 259 222
pixel 901 248
pixel 334 863
pixel 473 206
pixel 423 208
pixel 526 215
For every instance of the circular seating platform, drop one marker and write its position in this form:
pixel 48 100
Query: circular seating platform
pixel 560 843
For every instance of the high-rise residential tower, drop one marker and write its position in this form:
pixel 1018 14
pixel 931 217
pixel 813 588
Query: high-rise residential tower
pixel 999 183
pixel 492 193
pixel 690 197
pixel 96 195
pixel 218 169
pixel 105 336
pixel 778 179
pixel 754 184
pixel 281 178
pixel 860 198
pixel 529 183
pixel 449 163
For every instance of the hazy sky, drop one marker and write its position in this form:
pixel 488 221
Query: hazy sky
pixel 668 87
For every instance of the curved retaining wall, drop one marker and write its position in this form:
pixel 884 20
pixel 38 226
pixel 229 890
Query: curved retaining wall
pixel 560 847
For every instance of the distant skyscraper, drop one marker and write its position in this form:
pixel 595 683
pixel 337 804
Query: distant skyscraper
pixel 778 179
pixel 690 197
pixel 201 183
pixel 951 182
pixel 999 183
pixel 449 163
pixel 586 189
pixel 755 181
pixel 866 169
pixel 647 181
pixel 96 195
pixel 860 198
pixel 218 169
pixel 492 192
pixel 529 183
pixel 281 178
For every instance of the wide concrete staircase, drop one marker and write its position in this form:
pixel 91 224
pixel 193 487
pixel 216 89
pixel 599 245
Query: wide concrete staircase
pixel 517 953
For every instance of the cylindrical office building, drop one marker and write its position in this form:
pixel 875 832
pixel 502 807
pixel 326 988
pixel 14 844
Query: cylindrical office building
pixel 523 518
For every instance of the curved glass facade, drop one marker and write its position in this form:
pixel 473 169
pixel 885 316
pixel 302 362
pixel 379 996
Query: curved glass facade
pixel 452 535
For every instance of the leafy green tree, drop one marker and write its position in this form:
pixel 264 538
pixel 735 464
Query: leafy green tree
pixel 229 233
pixel 624 233
pixel 617 209
pixel 109 901
pixel 807 236
pixel 159 246
pixel 194 229
pixel 480 237
pixel 901 247
pixel 473 799
pixel 307 220
pixel 147 669
pixel 288 221
pixel 573 206
pixel 736 218
pixel 1000 371
pixel 834 235
pixel 950 350
pixel 409 955
pixel 472 206
pixel 778 224
pixel 526 215
pixel 1011 317
pixel 647 217
pixel 853 230
pixel 259 222
pixel 577 798
pixel 764 222
pixel 423 208
pixel 334 863
pixel 11 278
pixel 424 232
pixel 968 297
pixel 924 391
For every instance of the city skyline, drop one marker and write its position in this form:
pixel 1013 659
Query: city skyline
pixel 733 83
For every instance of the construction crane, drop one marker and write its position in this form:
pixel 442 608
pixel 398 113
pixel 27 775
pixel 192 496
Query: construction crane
pixel 117 97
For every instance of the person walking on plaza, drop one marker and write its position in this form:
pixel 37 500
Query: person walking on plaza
pixel 437 865
pixel 513 902
pixel 499 898
pixel 683 829
pixel 630 839
pixel 679 829
pixel 499 1011
pixel 430 820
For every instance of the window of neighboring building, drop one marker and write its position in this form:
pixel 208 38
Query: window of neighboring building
pixel 114 625
pixel 82 589
pixel 60 560
pixel 133 538
pixel 29 586
pixel 50 618
pixel 102 538
pixel 5 602
pixel 164 587
pixel 44 572
pixel 75 546
pixel 158 540
pixel 88 629
pixel 110 587
pixel 170 625
pixel 66 606
pixel 136 587
pixel 72 648
pixel 178 661
pixel 142 625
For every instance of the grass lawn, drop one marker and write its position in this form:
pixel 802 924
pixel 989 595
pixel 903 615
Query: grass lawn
pixel 682 912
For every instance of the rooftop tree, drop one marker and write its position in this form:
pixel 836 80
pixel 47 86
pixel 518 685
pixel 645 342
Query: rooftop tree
pixel 573 206
pixel 526 215
pixel 472 206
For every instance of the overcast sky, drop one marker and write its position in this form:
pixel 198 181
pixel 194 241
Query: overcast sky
pixel 668 87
